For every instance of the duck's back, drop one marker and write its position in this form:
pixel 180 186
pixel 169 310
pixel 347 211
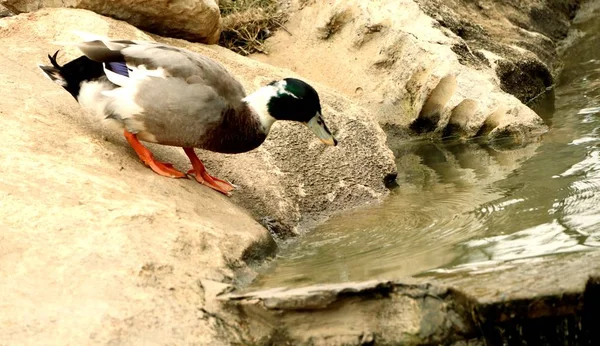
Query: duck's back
pixel 174 96
pixel 189 66
pixel 131 57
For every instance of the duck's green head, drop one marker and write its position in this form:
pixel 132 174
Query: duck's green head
pixel 295 100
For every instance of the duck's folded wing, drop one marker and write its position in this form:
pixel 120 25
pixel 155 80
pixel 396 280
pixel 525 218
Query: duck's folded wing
pixel 167 111
pixel 126 60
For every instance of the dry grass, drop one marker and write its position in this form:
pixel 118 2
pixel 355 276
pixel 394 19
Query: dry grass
pixel 247 24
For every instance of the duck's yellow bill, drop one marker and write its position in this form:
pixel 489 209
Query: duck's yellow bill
pixel 317 125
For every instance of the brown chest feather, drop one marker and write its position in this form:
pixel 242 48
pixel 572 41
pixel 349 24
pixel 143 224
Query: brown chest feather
pixel 239 132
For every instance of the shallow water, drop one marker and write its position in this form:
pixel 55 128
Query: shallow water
pixel 463 205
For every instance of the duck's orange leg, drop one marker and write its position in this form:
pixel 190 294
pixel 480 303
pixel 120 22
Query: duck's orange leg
pixel 162 168
pixel 202 175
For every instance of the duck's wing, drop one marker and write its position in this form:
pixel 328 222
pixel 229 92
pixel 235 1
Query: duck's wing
pixel 126 60
pixel 167 95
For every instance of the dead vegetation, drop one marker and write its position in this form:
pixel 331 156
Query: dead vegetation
pixel 246 24
pixel 337 19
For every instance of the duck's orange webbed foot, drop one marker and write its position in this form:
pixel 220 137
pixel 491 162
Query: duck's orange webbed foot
pixel 202 175
pixel 163 168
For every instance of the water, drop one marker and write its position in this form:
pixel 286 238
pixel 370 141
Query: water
pixel 462 205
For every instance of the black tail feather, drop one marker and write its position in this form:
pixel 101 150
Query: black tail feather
pixel 72 74
pixel 52 59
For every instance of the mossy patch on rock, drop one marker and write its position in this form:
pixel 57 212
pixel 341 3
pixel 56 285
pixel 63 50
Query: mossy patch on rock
pixel 525 79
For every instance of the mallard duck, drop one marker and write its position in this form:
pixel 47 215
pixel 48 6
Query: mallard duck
pixel 172 96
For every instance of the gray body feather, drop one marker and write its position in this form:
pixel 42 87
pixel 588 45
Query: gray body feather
pixel 174 97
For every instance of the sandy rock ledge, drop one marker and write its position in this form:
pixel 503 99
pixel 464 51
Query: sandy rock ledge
pixel 97 249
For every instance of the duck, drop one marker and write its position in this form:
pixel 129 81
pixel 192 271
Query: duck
pixel 172 96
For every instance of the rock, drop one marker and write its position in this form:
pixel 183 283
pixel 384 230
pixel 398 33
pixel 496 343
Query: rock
pixel 545 299
pixel 194 20
pixel 4 12
pixel 366 313
pixel 98 249
pixel 423 66
pixel 530 300
pixel 292 178
pixel 525 34
pixel 93 248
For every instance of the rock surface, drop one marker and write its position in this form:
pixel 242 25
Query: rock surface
pixel 371 313
pixel 555 303
pixel 98 249
pixel 93 249
pixel 422 73
pixel 194 20
pixel 525 34
pixel 90 253
pixel 4 12
pixel 289 182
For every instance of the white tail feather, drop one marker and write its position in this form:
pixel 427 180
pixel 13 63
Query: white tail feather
pixel 116 78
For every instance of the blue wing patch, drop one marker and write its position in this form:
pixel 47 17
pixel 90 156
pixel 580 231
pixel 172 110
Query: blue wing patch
pixel 119 68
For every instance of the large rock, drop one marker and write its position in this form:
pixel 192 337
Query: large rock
pixel 525 34
pixel 194 20
pixel 534 301
pixel 95 248
pixel 417 75
pixel 292 179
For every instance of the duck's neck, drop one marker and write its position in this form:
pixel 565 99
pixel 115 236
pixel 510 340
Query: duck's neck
pixel 258 102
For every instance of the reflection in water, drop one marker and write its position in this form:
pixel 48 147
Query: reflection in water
pixel 436 206
pixel 460 205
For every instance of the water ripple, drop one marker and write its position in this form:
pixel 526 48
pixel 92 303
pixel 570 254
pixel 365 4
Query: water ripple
pixel 406 236
pixel 544 239
pixel 592 110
